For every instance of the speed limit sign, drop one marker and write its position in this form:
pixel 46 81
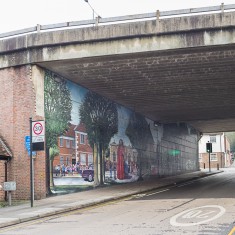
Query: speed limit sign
pixel 38 131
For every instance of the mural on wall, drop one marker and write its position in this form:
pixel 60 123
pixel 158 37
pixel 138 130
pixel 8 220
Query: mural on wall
pixel 100 141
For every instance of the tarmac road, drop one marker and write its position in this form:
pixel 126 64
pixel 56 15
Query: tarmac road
pixel 201 206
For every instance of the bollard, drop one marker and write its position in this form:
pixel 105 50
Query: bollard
pixel 217 166
pixel 204 165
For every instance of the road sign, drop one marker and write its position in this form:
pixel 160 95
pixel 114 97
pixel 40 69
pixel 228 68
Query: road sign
pixel 38 131
pixel 27 145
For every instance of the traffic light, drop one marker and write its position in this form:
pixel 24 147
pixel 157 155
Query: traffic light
pixel 209 147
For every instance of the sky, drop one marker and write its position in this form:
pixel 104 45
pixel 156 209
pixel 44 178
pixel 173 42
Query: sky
pixel 20 14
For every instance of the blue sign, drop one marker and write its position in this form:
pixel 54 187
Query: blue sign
pixel 27 145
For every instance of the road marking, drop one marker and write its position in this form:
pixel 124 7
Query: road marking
pixel 197 215
pixel 232 231
pixel 185 184
pixel 157 192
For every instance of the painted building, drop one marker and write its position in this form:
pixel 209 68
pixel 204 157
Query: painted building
pixel 84 152
pixel 74 148
pixel 67 148
pixel 220 156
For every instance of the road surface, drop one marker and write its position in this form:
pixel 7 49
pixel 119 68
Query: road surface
pixel 202 207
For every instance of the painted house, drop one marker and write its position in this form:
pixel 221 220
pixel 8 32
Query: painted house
pixel 67 148
pixel 84 152
pixel 220 156
pixel 74 147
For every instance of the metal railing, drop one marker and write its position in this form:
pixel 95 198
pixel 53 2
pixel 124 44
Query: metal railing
pixel 95 22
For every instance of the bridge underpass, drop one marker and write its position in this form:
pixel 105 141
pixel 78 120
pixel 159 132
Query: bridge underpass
pixel 195 86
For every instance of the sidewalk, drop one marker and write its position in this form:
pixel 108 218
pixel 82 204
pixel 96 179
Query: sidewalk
pixel 64 203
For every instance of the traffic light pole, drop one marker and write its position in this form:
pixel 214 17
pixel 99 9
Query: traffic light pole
pixel 209 161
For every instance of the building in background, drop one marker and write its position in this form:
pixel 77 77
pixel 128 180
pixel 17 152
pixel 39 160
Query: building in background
pixel 220 156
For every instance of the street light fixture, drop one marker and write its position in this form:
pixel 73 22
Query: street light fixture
pixel 93 10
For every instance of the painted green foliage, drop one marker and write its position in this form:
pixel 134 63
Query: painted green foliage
pixel 58 106
pixel 100 117
pixel 139 133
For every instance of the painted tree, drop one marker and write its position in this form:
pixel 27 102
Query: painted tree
pixel 139 133
pixel 100 117
pixel 58 106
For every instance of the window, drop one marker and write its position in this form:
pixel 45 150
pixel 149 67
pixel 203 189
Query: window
pixel 83 159
pixel 61 142
pixel 213 157
pixel 213 138
pixel 90 159
pixel 82 139
pixel 73 143
pixel 67 143
pixel 61 160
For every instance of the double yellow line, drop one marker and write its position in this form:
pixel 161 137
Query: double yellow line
pixel 232 232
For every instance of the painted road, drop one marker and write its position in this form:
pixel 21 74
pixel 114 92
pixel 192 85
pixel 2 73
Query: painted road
pixel 202 207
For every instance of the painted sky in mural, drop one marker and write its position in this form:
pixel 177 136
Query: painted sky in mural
pixel 77 95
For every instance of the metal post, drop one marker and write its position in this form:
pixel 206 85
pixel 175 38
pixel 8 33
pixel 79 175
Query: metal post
pixel 209 162
pixel 31 166
pixel 5 179
pixel 9 198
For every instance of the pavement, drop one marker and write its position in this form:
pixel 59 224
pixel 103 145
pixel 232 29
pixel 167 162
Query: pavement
pixel 53 205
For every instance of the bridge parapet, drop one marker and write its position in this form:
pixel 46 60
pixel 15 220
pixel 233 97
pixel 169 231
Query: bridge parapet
pixel 158 15
pixel 132 37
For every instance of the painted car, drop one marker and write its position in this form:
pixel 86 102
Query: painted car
pixel 88 175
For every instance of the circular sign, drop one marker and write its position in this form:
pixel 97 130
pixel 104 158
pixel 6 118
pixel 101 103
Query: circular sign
pixel 197 215
pixel 37 128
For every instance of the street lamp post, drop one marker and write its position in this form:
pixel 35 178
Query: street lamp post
pixel 93 11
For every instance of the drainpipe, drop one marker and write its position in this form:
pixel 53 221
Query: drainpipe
pixel 225 151
pixel 221 150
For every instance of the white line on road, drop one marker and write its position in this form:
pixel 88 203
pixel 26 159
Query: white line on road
pixel 157 192
pixel 185 184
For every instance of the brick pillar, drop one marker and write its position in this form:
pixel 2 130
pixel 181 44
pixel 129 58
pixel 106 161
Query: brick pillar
pixel 18 103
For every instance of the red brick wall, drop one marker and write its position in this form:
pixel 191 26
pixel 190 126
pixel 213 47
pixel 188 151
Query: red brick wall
pixel 17 106
pixel 213 164
pixel 2 178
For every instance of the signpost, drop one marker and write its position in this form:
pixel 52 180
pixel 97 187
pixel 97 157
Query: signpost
pixel 9 186
pixel 36 143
